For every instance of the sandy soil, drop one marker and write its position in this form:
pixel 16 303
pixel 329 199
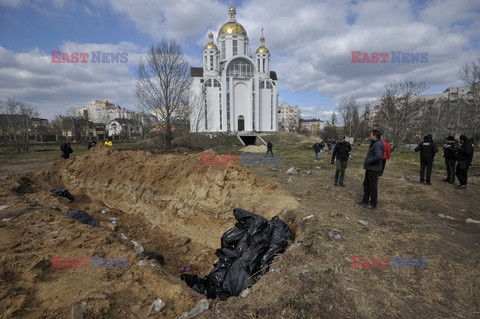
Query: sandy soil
pixel 172 205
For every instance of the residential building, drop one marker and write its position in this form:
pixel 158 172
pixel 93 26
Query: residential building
pixel 121 128
pixel 288 117
pixel 312 126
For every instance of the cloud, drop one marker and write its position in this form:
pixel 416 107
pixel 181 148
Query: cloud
pixel 56 87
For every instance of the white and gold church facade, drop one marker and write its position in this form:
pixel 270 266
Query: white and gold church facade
pixel 233 91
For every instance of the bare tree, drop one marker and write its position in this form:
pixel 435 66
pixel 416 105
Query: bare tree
pixel 15 123
pixel 349 109
pixel 470 75
pixel 400 110
pixel 162 84
pixel 198 112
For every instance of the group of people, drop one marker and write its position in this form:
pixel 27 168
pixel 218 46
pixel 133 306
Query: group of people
pixel 66 147
pixel 458 158
pixel 374 165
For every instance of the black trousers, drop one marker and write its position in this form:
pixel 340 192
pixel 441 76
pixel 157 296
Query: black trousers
pixel 462 174
pixel 450 165
pixel 370 187
pixel 384 162
pixel 425 164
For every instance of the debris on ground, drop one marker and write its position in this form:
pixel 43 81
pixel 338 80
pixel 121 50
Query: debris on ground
pixel 307 217
pixel 63 193
pixel 201 306
pixel 335 234
pixel 274 169
pixel 446 216
pixel 156 307
pixel 2 207
pixel 83 217
pixel 309 172
pixel 245 293
pixel 472 221
pixel 363 222
pixel 292 170
pixel 137 247
pixel 246 254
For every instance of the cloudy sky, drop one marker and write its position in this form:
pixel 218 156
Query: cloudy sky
pixel 311 44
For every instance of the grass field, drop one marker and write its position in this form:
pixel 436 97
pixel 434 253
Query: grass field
pixel 315 278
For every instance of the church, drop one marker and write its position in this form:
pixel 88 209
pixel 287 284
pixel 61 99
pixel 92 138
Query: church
pixel 233 91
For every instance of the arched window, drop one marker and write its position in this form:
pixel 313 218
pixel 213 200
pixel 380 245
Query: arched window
pixel 240 68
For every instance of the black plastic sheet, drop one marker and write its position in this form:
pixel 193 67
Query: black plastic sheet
pixel 82 217
pixel 247 251
pixel 63 193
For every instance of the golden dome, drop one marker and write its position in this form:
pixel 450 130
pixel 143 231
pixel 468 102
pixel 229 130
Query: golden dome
pixel 211 46
pixel 232 10
pixel 232 28
pixel 262 49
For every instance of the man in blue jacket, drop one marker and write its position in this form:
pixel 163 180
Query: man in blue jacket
pixel 373 167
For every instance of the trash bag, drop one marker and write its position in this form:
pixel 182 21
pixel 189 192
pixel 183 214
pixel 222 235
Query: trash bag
pixel 82 217
pixel 63 193
pixel 152 256
pixel 247 251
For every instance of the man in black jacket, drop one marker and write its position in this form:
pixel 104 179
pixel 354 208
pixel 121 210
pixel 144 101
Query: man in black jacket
pixel 66 149
pixel 373 167
pixel 464 160
pixel 317 149
pixel 427 150
pixel 450 154
pixel 341 152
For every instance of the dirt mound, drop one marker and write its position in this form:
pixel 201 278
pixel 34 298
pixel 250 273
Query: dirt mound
pixel 174 192
pixel 254 149
pixel 172 205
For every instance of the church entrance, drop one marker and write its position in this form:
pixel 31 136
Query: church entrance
pixel 241 123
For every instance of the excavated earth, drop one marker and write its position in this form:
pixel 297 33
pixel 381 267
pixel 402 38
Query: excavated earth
pixel 171 205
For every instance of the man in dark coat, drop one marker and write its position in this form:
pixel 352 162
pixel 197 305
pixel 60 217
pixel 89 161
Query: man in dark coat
pixel 373 167
pixel 427 150
pixel 341 153
pixel 91 143
pixel 269 148
pixel 66 149
pixel 450 153
pixel 317 149
pixel 464 160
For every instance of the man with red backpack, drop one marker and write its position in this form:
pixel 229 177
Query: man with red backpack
pixel 386 155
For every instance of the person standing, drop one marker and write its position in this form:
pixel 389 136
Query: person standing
pixel 108 142
pixel 66 149
pixel 341 153
pixel 91 143
pixel 373 167
pixel 427 150
pixel 450 153
pixel 269 148
pixel 386 155
pixel 317 149
pixel 464 159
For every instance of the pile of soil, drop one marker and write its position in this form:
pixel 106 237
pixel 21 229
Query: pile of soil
pixel 254 149
pixel 172 205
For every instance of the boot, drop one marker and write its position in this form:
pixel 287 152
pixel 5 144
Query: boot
pixel 342 176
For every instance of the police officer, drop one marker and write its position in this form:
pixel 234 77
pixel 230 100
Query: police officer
pixel 464 160
pixel 427 150
pixel 341 152
pixel 450 153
